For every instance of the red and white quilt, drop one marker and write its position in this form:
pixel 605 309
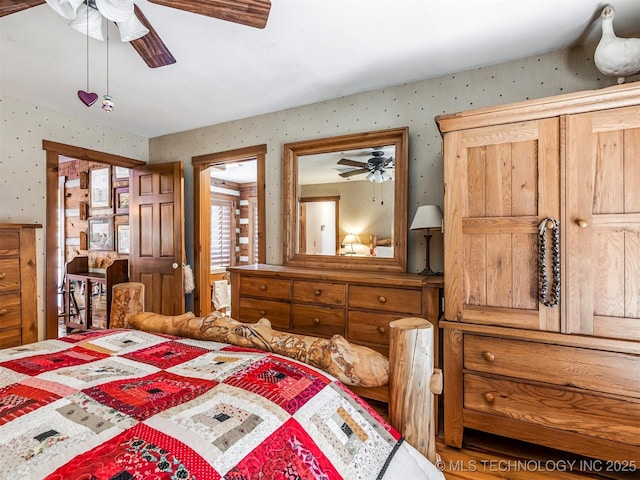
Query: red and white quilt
pixel 127 404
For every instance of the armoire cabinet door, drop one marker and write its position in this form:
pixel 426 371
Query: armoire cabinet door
pixel 500 183
pixel 603 223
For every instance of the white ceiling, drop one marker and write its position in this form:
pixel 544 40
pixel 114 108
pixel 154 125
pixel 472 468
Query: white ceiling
pixel 311 50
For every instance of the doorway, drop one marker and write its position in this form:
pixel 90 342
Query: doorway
pixel 52 237
pixel 249 244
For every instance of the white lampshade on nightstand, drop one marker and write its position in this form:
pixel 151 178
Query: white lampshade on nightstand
pixel 351 239
pixel 426 218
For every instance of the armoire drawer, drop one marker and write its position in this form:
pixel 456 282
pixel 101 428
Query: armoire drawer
pixel 252 310
pixel 322 321
pixel 265 288
pixel 10 311
pixel 616 419
pixel 9 274
pixel 602 371
pixel 387 299
pixel 319 292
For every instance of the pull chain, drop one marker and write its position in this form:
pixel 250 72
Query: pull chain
pixel 552 224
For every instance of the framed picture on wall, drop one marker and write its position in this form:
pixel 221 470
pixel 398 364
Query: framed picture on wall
pixel 121 199
pixel 101 233
pixel 121 172
pixel 100 187
pixel 122 237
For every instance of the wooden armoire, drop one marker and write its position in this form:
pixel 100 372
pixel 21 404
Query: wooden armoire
pixel 542 272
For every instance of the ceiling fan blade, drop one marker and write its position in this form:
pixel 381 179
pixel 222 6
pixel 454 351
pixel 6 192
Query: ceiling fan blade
pixel 353 172
pixel 150 47
pixel 351 163
pixel 253 13
pixel 7 7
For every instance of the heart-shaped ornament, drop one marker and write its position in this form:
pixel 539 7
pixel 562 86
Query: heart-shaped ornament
pixel 87 98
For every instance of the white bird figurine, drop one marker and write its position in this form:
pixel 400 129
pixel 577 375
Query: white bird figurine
pixel 616 56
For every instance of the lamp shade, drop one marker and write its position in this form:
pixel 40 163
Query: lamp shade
pixel 131 29
pixel 115 10
pixel 427 216
pixel 88 21
pixel 350 239
pixel 65 8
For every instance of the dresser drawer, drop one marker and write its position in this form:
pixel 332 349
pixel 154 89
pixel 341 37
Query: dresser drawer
pixel 319 292
pixel 9 243
pixel 614 419
pixel 10 310
pixel 265 287
pixel 321 321
pixel 278 313
pixel 387 299
pixel 602 371
pixel 370 328
pixel 9 274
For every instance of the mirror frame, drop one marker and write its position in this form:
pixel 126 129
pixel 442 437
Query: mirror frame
pixel 291 153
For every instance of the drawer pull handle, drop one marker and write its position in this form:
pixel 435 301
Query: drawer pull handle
pixel 382 299
pixel 316 321
pixel 582 223
pixel 2 275
pixel 317 293
pixel 3 311
pixel 263 287
pixel 262 312
pixel 489 397
pixel 381 329
pixel 488 356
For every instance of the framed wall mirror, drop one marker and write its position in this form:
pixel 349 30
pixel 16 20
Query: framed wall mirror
pixel 366 174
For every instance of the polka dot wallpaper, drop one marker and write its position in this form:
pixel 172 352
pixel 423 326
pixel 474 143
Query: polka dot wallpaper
pixel 23 164
pixel 413 104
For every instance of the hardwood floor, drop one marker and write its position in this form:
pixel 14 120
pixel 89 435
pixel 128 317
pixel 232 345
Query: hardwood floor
pixel 489 457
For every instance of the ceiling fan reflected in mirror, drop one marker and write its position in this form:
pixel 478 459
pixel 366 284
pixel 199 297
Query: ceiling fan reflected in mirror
pixel 378 168
pixel 134 26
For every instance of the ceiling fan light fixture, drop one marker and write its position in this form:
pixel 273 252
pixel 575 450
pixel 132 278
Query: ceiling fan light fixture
pixel 371 176
pixel 115 10
pixel 94 19
pixel 385 176
pixel 131 29
pixel 65 8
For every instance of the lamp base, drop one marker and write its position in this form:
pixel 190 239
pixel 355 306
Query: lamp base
pixel 429 273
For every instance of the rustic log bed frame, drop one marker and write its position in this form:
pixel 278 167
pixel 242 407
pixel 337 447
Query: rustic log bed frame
pixel 409 371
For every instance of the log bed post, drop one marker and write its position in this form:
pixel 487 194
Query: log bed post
pixel 127 299
pixel 413 382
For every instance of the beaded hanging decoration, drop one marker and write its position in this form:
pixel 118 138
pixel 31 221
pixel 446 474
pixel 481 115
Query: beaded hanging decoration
pixel 549 223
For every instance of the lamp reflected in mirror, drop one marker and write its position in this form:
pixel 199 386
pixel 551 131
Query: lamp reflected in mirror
pixel 350 240
pixel 426 218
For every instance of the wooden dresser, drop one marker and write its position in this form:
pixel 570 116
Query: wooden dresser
pixel 18 284
pixel 550 182
pixel 357 305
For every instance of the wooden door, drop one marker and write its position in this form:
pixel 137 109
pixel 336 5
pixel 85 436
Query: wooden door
pixel 157 235
pixel 603 223
pixel 500 183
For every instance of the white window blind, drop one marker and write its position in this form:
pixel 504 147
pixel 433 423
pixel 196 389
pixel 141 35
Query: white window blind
pixel 254 220
pixel 221 224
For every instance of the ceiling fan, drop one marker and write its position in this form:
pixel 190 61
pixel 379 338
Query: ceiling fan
pixel 150 47
pixel 376 167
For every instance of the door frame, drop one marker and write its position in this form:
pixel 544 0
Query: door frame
pixel 201 223
pixel 53 152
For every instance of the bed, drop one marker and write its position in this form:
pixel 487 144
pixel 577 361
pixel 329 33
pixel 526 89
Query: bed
pixel 125 404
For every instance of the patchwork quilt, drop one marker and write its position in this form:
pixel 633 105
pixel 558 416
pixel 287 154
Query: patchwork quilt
pixel 127 404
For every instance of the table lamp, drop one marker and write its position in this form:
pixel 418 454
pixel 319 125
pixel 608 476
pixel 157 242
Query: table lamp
pixel 350 239
pixel 426 218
